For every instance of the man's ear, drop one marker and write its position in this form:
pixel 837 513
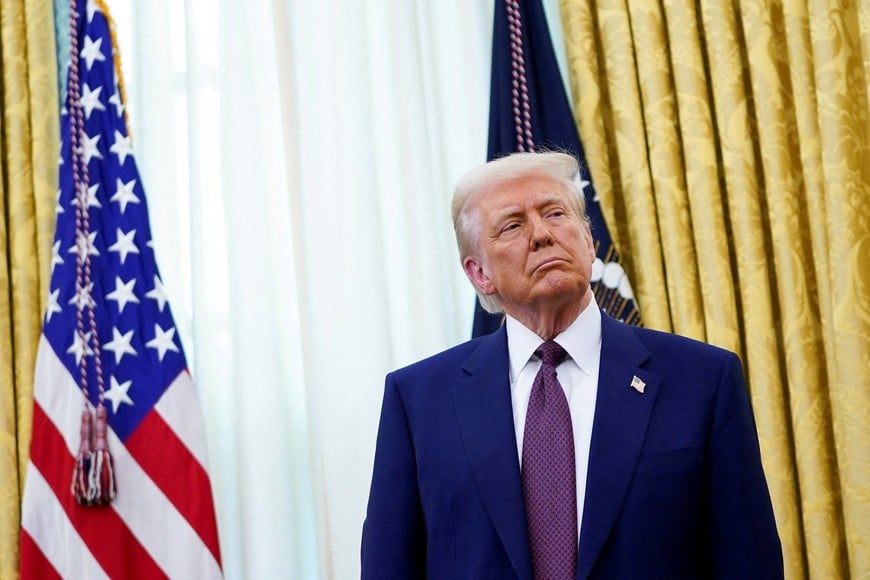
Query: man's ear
pixel 478 275
pixel 590 242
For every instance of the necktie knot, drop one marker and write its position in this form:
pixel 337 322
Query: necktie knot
pixel 551 353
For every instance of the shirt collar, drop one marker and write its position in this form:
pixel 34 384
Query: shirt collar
pixel 581 340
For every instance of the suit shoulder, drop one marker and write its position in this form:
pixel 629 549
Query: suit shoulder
pixel 659 342
pixel 449 358
pixel 669 355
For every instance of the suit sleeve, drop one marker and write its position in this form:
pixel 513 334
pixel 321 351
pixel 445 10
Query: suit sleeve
pixel 394 537
pixel 744 540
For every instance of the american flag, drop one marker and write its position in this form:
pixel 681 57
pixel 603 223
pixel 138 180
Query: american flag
pixel 529 111
pixel 113 332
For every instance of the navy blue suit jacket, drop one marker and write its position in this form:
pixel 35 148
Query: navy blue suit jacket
pixel 675 487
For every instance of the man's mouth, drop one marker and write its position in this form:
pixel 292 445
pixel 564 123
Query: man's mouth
pixel 548 263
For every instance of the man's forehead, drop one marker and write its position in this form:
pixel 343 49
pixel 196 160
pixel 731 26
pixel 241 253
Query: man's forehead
pixel 528 184
pixel 517 192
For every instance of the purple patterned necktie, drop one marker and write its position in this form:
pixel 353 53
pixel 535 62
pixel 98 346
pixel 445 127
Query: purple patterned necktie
pixel 548 472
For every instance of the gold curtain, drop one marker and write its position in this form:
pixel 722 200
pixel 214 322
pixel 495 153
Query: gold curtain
pixel 29 137
pixel 728 140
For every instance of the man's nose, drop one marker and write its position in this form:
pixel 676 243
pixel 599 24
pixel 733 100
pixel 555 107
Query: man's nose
pixel 540 233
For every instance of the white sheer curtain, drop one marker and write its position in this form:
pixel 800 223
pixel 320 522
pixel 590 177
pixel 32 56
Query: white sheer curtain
pixel 299 157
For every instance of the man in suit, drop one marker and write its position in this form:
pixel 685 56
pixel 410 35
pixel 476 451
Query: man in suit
pixel 566 444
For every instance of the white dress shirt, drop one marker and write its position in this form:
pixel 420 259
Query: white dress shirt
pixel 578 375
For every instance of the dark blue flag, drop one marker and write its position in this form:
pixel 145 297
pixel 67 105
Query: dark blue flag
pixel 529 111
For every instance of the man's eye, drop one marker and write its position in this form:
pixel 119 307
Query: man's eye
pixel 557 213
pixel 510 227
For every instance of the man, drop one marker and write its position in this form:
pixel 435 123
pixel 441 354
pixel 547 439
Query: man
pixel 566 444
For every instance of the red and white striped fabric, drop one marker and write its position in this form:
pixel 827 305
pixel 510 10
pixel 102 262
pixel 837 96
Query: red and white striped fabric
pixel 161 524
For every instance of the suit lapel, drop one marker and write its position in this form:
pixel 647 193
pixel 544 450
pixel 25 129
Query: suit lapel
pixel 621 418
pixel 484 410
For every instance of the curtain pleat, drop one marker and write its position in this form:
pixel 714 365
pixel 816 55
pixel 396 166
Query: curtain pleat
pixel 736 134
pixel 661 125
pixel 751 241
pixel 707 231
pixel 28 164
pixel 798 326
pixel 844 121
pixel 615 107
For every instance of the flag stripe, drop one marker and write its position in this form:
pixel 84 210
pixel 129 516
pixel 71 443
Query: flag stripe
pixel 174 407
pixel 180 554
pixel 110 541
pixel 36 560
pixel 34 563
pixel 58 395
pixel 177 473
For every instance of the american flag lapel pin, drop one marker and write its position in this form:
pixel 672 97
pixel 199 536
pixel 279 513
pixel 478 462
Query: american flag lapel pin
pixel 637 384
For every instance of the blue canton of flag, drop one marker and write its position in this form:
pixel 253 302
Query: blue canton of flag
pixel 529 111
pixel 141 352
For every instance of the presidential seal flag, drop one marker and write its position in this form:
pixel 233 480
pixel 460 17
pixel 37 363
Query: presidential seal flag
pixel 116 484
pixel 529 111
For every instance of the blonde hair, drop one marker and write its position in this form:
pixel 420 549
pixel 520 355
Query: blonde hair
pixel 560 167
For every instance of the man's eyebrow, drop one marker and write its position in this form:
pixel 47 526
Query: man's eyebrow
pixel 503 213
pixel 554 199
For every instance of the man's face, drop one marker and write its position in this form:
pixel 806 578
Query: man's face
pixel 534 250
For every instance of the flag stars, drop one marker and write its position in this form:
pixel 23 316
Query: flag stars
pixel 92 9
pixel 124 244
pixel 84 247
pixel 83 297
pixel 120 344
pixel 92 197
pixel 124 194
pixel 56 260
pixel 88 267
pixel 85 244
pixel 157 293
pixel 91 51
pixel 123 293
pixel 162 341
pixel 91 100
pixel 79 347
pixel 122 147
pixel 583 183
pixel 117 393
pixel 53 305
pixel 91 149
pixel 115 100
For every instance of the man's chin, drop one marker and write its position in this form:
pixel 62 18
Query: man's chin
pixel 560 289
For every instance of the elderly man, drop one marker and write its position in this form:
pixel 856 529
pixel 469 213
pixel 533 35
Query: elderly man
pixel 566 444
